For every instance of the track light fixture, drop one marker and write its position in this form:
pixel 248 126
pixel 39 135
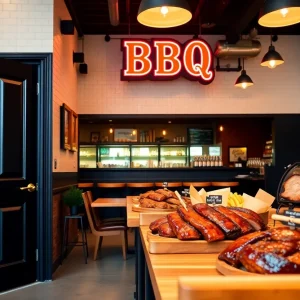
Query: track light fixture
pixel 272 58
pixel 78 57
pixel 280 13
pixel 164 13
pixel 107 38
pixel 67 27
pixel 243 80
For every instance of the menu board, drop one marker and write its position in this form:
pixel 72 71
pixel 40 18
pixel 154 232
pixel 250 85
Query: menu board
pixel 201 136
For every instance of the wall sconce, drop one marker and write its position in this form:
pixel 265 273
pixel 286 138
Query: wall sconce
pixel 83 68
pixel 221 128
pixel 67 27
pixel 78 57
pixel 164 132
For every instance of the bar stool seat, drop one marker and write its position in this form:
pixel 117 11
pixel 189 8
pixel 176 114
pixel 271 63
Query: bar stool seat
pixel 85 184
pixel 197 184
pixel 225 183
pixel 111 185
pixel 170 184
pixel 140 184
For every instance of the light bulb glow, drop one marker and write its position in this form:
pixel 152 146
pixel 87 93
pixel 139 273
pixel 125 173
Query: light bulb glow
pixel 164 132
pixel 164 10
pixel 221 128
pixel 111 130
pixel 244 85
pixel 284 12
pixel 133 132
pixel 272 64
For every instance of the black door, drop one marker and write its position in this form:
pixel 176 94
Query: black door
pixel 18 169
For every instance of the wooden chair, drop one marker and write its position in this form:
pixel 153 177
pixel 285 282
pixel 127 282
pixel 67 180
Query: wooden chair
pixel 101 228
pixel 197 184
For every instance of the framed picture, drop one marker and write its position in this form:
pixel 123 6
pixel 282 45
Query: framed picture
pixel 237 154
pixel 125 135
pixel 201 136
pixel 65 127
pixel 95 137
pixel 74 137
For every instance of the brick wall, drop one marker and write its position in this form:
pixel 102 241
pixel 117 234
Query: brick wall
pixel 64 85
pixel 275 91
pixel 26 25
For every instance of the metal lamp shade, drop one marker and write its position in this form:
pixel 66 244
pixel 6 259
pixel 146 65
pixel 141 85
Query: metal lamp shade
pixel 244 80
pixel 150 13
pixel 280 13
pixel 272 59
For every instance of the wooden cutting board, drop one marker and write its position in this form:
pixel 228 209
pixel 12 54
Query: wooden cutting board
pixel 138 208
pixel 160 245
pixel 226 269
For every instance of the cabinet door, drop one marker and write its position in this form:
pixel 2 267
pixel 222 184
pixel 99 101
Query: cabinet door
pixel 173 156
pixel 114 156
pixel 87 156
pixel 144 156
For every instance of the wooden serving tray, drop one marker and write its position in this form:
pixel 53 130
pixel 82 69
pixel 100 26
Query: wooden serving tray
pixel 160 245
pixel 226 269
pixel 137 208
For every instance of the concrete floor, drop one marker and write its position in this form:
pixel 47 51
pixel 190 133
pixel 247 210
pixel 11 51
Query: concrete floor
pixel 110 277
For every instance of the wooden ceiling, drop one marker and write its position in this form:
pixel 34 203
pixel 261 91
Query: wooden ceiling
pixel 231 18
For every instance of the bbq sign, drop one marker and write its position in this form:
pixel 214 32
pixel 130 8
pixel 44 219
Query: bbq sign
pixel 167 59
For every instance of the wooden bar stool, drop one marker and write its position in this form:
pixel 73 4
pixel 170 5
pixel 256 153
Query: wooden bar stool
pixel 137 188
pixel 85 185
pixel 197 184
pixel 225 183
pixel 170 184
pixel 111 185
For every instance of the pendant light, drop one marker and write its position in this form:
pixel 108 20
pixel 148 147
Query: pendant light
pixel 272 58
pixel 243 80
pixel 164 13
pixel 280 13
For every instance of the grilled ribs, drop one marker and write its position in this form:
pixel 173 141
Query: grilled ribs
pixel 165 230
pixel 155 224
pixel 292 188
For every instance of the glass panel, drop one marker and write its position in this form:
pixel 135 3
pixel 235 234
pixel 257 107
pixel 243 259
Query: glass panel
pixel 144 157
pixel 114 157
pixel 87 157
pixel 214 150
pixel 173 156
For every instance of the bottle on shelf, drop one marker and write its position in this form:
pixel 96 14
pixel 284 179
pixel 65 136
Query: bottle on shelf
pixel 220 161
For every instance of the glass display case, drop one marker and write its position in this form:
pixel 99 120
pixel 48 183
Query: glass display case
pixel 173 156
pixel 144 156
pixel 87 156
pixel 195 151
pixel 113 156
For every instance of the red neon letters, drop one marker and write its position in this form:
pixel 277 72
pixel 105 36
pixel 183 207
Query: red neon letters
pixel 167 59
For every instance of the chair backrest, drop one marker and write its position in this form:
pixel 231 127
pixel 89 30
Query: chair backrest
pixel 88 212
pixel 93 209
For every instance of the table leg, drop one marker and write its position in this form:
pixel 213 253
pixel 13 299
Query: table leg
pixel 140 267
pixel 149 294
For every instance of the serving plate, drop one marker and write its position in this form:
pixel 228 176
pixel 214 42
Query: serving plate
pixel 228 270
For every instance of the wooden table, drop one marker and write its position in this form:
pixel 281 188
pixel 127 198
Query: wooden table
pixel 109 202
pixel 165 269
pixel 133 217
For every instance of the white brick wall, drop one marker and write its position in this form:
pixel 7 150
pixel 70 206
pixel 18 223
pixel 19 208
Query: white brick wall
pixel 26 26
pixel 64 85
pixel 275 91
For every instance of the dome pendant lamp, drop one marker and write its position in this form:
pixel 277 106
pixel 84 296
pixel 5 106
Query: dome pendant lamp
pixel 164 13
pixel 280 13
pixel 244 80
pixel 272 58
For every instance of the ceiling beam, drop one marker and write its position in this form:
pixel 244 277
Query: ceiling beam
pixel 248 13
pixel 74 18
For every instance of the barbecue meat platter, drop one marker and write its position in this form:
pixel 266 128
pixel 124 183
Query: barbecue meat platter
pixel 212 224
pixel 161 199
pixel 274 251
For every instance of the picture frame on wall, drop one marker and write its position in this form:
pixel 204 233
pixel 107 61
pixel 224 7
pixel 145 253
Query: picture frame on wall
pixel 237 153
pixel 95 137
pixel 65 127
pixel 125 135
pixel 74 137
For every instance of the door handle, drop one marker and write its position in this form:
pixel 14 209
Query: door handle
pixel 30 187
